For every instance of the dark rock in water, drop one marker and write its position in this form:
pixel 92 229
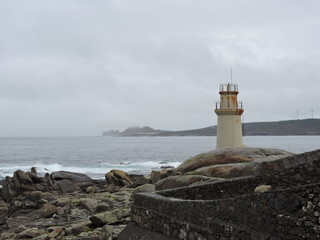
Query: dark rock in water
pixel 34 170
pixel 118 178
pixel 73 176
pixel 163 162
pixel 167 167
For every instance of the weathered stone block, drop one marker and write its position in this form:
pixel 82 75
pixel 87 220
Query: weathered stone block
pixel 309 159
pixel 286 163
pixel 302 160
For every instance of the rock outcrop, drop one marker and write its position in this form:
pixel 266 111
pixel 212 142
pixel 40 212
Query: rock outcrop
pixel 228 156
pixel 217 165
pixel 24 182
pixel 65 205
pixel 118 178
pixel 70 181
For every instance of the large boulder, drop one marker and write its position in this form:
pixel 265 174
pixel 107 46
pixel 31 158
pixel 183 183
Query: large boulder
pixel 22 182
pixel 209 159
pixel 19 183
pixel 218 165
pixel 118 178
pixel 70 181
pixel 228 170
pixel 73 176
pixel 231 155
pixel 139 180
pixel 48 210
pixel 8 191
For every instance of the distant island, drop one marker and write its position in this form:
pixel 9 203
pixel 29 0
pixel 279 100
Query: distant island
pixel 279 128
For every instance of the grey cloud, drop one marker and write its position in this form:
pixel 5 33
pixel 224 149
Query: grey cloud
pixel 80 67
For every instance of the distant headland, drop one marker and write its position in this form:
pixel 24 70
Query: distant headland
pixel 279 128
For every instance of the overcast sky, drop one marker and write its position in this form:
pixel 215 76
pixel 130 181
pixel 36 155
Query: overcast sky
pixel 76 68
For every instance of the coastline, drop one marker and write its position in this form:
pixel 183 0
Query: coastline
pixel 71 205
pixel 66 205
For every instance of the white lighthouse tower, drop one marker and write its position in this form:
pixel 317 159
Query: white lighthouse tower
pixel 229 111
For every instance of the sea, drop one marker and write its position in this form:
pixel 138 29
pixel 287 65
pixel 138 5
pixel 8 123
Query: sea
pixel 95 156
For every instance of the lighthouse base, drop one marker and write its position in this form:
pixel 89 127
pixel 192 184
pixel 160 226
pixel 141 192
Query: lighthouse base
pixel 229 132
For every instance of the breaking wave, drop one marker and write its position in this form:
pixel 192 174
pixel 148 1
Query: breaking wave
pixel 95 171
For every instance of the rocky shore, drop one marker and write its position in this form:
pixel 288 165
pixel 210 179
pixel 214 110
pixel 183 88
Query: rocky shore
pixel 69 205
pixel 66 205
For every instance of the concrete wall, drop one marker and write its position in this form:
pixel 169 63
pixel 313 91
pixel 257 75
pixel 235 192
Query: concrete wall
pixel 232 210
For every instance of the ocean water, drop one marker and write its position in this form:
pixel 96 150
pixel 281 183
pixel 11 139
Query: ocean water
pixel 95 156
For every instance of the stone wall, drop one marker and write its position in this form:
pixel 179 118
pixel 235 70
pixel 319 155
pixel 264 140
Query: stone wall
pixel 282 214
pixel 232 210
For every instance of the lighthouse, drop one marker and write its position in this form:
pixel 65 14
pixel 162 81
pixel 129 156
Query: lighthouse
pixel 229 111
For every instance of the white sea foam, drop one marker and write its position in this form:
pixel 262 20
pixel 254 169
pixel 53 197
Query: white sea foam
pixel 93 171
